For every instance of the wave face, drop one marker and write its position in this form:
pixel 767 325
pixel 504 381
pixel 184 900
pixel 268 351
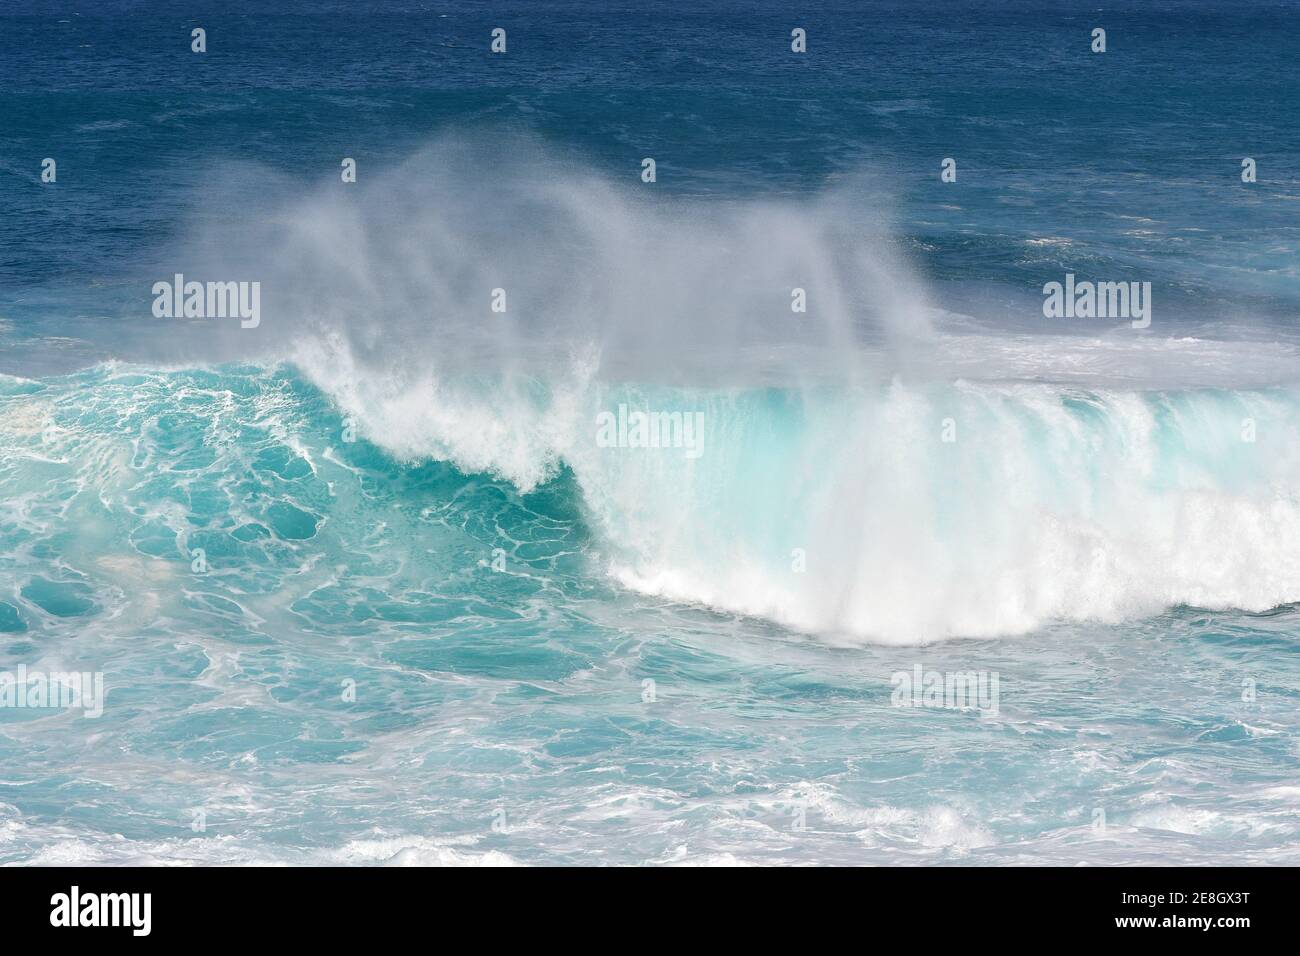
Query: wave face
pixel 909 514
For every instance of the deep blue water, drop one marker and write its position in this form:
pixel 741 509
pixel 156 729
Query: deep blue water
pixel 435 619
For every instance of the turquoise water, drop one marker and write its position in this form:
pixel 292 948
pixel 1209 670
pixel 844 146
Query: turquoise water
pixel 367 583
pixel 516 698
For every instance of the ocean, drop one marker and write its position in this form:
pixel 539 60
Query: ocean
pixel 416 474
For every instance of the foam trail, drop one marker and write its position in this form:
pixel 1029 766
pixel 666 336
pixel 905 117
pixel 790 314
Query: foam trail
pixel 398 272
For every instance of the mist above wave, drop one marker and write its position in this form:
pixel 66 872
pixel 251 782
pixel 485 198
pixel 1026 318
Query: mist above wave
pixel 495 255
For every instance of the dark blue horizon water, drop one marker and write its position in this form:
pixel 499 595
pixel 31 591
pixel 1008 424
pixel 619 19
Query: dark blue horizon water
pixel 1132 155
